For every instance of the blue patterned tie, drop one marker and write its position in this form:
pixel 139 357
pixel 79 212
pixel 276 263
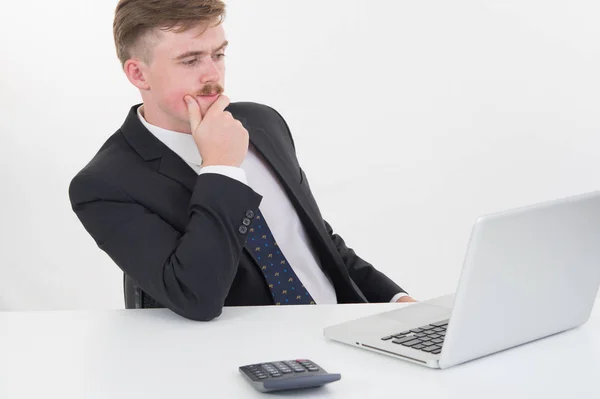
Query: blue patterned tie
pixel 286 287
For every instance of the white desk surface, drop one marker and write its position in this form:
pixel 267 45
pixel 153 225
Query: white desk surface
pixel 157 354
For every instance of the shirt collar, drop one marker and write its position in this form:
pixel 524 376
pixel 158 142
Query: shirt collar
pixel 182 144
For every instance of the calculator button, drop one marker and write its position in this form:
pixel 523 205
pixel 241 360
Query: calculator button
pixel 283 368
pixel 305 363
pixel 294 366
pixel 269 367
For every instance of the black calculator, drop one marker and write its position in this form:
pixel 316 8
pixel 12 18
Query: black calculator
pixel 287 374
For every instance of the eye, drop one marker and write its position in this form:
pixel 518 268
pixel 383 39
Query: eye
pixel 190 62
pixel 220 56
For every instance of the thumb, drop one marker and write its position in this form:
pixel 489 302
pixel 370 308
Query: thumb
pixel 193 112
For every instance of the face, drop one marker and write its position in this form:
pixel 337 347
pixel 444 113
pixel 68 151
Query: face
pixel 190 62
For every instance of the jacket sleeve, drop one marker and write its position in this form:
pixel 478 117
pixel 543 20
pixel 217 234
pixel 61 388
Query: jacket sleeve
pixel 376 286
pixel 190 273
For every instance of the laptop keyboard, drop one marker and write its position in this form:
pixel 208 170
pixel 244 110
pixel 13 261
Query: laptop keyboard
pixel 428 338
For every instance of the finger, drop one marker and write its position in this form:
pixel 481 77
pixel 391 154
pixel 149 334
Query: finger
pixel 193 112
pixel 406 299
pixel 218 106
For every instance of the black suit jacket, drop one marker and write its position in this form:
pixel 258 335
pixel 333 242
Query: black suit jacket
pixel 177 234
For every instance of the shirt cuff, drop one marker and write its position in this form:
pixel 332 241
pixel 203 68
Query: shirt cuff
pixel 398 296
pixel 233 172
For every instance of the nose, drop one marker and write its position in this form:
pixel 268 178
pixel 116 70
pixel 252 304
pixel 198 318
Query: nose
pixel 210 72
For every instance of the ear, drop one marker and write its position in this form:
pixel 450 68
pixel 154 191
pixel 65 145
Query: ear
pixel 136 71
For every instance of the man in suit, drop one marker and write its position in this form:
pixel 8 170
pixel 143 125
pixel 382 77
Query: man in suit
pixel 201 202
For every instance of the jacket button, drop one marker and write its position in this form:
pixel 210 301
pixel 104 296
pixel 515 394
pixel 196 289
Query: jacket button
pixel 246 222
pixel 243 229
pixel 250 214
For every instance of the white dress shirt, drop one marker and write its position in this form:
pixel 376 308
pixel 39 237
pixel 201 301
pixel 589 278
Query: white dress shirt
pixel 276 207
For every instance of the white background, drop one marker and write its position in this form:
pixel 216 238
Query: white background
pixel 411 118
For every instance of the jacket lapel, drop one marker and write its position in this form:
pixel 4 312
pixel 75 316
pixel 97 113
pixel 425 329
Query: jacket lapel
pixel 286 175
pixel 150 148
pixel 172 166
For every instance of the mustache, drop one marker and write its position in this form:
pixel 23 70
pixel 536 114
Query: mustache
pixel 210 89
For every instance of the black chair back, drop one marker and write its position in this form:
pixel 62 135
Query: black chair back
pixel 135 297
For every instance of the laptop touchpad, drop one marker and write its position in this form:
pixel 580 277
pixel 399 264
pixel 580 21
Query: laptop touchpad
pixel 418 314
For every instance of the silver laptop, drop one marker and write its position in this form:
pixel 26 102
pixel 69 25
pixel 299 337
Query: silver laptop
pixel 528 273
